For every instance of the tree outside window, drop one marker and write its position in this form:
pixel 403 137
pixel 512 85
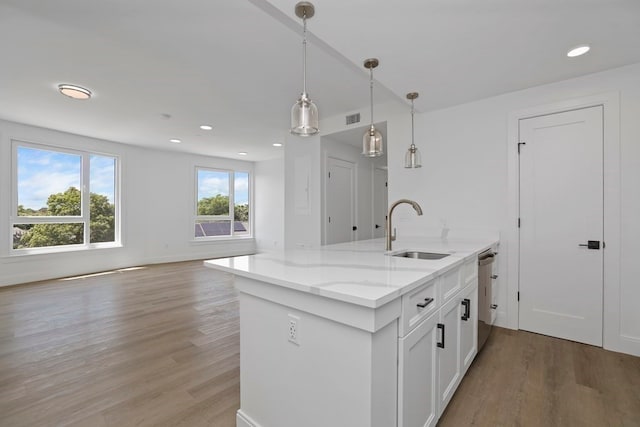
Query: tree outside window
pixel 222 207
pixel 52 210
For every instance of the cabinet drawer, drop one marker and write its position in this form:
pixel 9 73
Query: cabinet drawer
pixel 417 305
pixel 470 270
pixel 450 283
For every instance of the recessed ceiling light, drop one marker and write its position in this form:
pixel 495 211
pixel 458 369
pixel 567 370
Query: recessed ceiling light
pixel 243 153
pixel 578 50
pixel 206 127
pixel 175 140
pixel 277 144
pixel 75 92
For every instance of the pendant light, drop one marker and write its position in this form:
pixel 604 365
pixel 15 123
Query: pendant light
pixel 412 158
pixel 372 139
pixel 304 113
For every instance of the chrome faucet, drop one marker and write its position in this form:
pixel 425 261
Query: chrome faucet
pixel 391 235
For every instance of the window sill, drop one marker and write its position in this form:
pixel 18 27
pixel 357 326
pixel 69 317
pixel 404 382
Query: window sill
pixel 221 239
pixel 17 255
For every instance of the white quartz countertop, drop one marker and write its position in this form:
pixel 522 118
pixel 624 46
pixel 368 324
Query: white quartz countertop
pixel 356 272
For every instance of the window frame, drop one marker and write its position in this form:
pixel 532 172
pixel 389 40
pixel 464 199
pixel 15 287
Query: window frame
pixel 196 217
pixel 85 215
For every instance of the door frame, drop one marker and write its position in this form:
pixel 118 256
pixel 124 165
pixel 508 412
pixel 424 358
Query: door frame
pixel 610 101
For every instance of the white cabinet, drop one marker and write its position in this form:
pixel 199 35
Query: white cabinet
pixel 418 305
pixel 449 351
pixel 450 284
pixel 417 373
pixel 438 350
pixel 468 326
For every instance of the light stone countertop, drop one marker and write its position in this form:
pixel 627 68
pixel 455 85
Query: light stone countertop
pixel 355 272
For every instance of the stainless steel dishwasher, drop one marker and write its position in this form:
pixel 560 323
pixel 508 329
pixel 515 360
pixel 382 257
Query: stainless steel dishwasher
pixel 485 304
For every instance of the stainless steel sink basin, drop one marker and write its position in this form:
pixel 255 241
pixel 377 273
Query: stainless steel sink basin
pixel 420 255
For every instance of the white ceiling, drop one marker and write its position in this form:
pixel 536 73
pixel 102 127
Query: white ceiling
pixel 237 64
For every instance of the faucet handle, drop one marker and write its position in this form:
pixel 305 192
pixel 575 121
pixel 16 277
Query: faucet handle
pixel 393 235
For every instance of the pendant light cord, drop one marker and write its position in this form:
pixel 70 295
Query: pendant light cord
pixel 371 91
pixel 412 143
pixel 304 54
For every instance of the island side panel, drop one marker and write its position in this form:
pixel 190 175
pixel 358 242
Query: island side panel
pixel 384 383
pixel 336 375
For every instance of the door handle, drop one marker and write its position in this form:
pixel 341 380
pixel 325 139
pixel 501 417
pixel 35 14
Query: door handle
pixel 377 226
pixel 591 244
pixel 354 228
pixel 467 309
pixel 441 327
pixel 494 306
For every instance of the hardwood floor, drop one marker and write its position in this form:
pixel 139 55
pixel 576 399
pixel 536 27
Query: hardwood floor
pixel 526 379
pixel 159 346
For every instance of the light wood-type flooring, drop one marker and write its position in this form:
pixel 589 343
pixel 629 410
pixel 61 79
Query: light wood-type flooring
pixel 525 379
pixel 153 346
pixel 159 346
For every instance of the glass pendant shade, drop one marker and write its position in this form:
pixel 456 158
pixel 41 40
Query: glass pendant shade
pixel 304 113
pixel 304 117
pixel 412 159
pixel 372 143
pixel 372 139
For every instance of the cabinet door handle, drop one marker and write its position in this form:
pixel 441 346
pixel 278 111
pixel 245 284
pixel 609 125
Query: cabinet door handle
pixel 426 302
pixel 441 327
pixel 467 309
pixel 494 306
pixel 494 276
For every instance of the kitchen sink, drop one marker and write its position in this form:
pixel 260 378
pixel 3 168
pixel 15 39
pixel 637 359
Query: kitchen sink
pixel 420 255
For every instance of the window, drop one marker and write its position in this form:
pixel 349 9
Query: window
pixel 222 204
pixel 63 199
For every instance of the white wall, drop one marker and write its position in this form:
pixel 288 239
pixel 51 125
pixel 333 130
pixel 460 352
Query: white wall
pixel 269 204
pixel 157 207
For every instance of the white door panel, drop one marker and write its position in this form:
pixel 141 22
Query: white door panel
pixel 340 201
pixel 449 352
pixel 561 207
pixel 380 202
pixel 418 375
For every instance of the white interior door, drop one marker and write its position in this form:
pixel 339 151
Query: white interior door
pixel 380 201
pixel 340 201
pixel 561 209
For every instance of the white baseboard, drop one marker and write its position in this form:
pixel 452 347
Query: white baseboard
pixel 243 420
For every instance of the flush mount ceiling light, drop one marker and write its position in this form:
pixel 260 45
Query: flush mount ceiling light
pixel 578 50
pixel 175 140
pixel 242 153
pixel 277 144
pixel 412 158
pixel 206 127
pixel 372 139
pixel 304 113
pixel 73 91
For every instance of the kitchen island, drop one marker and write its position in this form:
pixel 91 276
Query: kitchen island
pixel 348 335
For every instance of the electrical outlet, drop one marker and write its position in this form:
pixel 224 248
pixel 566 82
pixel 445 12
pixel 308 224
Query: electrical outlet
pixel 294 329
